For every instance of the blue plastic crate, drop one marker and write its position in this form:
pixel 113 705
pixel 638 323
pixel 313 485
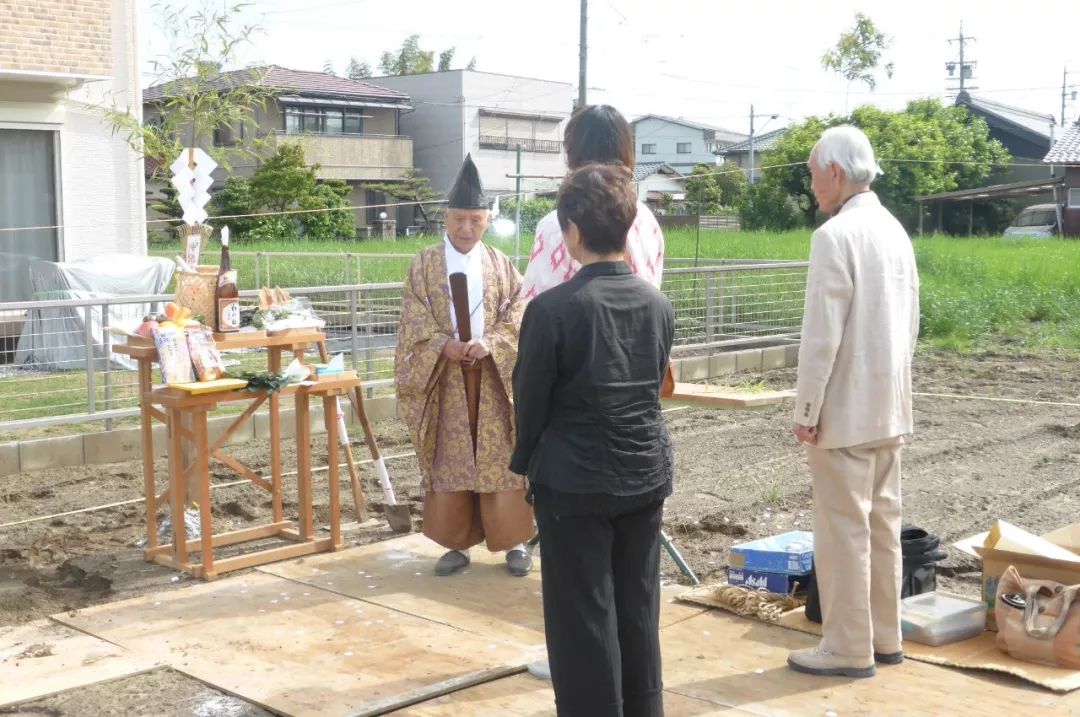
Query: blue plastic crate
pixel 779 583
pixel 789 553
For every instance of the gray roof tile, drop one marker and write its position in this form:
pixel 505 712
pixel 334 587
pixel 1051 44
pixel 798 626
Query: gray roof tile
pixel 300 81
pixel 1066 149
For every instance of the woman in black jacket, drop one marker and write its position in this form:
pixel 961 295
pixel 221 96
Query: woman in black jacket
pixel 593 442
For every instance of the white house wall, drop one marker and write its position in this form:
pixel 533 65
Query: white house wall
pixel 507 93
pixel 660 183
pixel 104 207
pixel 666 136
pixel 435 125
pixel 102 203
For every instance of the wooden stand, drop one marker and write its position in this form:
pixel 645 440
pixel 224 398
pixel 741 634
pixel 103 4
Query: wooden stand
pixel 178 407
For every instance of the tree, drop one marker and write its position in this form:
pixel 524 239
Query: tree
pixel 858 52
pixel 196 102
pixel 282 184
pixel 408 60
pixel 925 149
pixel 328 68
pixel 358 70
pixel 532 211
pixel 764 206
pixel 731 182
pixel 445 58
pixel 702 193
pixel 413 187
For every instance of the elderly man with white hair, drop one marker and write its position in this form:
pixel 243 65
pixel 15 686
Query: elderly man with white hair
pixel 853 407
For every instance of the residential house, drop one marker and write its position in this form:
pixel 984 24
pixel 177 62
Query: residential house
pixel 60 164
pixel 654 180
pixel 739 153
pixel 351 129
pixel 1027 135
pixel 679 143
pixel 490 116
pixel 1065 155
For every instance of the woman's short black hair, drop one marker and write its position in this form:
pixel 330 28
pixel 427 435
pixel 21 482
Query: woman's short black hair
pixel 600 200
pixel 598 134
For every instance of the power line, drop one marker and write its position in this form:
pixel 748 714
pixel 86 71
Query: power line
pixel 504 195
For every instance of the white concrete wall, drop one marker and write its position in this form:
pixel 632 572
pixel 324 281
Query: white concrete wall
pixel 104 208
pixel 446 123
pixel 435 125
pixel 667 136
pixel 660 183
pixel 484 90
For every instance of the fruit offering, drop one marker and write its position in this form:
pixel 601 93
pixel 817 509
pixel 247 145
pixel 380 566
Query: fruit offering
pixel 179 315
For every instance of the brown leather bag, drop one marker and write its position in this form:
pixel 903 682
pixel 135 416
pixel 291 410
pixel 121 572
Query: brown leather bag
pixel 1038 620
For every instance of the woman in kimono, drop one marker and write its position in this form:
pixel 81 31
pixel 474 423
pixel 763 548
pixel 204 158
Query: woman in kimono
pixel 595 134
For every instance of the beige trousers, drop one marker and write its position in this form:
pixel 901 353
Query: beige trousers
pixel 462 519
pixel 857 554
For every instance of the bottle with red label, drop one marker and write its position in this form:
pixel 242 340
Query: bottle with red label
pixel 228 293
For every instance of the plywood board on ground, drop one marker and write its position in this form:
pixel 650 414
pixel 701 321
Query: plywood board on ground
pixel 526 696
pixel 43 657
pixel 295 649
pixel 484 599
pixel 978 653
pixel 700 394
pixel 738 662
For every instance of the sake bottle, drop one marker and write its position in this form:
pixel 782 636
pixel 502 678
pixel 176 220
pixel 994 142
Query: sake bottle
pixel 228 294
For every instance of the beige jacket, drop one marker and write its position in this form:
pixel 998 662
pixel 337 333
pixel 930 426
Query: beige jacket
pixel 859 328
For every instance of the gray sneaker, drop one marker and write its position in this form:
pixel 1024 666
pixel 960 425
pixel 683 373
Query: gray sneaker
pixel 450 563
pixel 519 563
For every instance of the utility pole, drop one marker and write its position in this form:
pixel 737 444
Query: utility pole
pixel 753 174
pixel 517 212
pixel 1066 91
pixel 966 67
pixel 583 59
pixel 751 144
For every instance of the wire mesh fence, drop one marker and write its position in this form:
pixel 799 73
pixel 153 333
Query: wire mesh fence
pixel 57 365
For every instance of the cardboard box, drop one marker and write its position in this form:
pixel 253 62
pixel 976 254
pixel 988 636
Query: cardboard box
pixel 779 583
pixel 1054 556
pixel 789 553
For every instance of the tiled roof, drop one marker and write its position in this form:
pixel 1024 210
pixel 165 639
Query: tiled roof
pixel 1032 121
pixel 299 81
pixel 762 142
pixel 647 169
pixel 1067 149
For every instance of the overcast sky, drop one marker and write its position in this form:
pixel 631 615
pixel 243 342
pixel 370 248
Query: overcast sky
pixel 706 60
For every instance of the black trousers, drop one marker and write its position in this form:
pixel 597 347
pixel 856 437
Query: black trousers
pixel 601 587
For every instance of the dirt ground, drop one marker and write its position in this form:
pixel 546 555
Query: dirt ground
pixel 740 475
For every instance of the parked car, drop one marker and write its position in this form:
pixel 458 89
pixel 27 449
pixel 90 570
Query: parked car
pixel 1038 220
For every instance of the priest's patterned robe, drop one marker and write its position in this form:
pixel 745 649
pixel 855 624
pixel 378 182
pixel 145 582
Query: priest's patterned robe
pixel 467 498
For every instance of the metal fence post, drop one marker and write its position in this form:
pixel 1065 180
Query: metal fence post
pixel 352 325
pixel 709 308
pixel 106 341
pixel 348 268
pixel 88 336
pixel 258 270
pixel 369 334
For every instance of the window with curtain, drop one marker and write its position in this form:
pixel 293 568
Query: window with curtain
pixel 28 198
